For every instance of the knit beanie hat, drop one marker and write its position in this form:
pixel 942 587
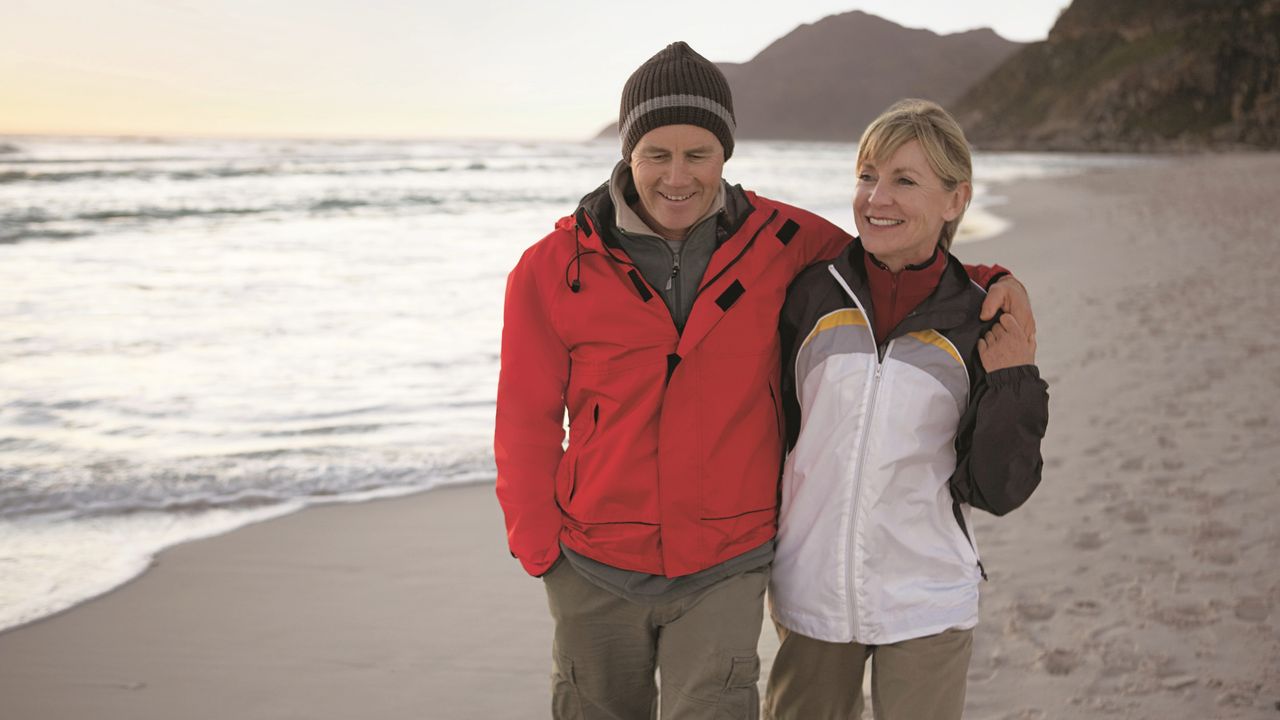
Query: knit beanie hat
pixel 676 87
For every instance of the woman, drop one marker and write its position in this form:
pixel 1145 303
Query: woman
pixel 903 411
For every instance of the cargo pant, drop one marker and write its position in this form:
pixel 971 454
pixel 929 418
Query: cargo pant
pixel 918 679
pixel 702 646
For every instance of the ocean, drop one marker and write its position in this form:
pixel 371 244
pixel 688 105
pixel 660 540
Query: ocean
pixel 200 334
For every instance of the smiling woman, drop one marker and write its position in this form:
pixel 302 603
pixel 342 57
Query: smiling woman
pixel 904 410
pixel 915 178
pixel 901 210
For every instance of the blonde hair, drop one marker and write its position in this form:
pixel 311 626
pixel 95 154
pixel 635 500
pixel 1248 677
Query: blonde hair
pixel 940 138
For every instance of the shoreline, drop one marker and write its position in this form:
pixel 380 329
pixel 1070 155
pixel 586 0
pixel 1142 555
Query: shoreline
pixel 205 525
pixel 1137 582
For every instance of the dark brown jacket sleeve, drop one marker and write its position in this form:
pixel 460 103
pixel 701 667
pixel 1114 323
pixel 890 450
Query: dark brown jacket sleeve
pixel 998 447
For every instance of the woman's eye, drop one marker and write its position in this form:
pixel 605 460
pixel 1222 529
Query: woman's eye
pixel 906 181
pixel 865 177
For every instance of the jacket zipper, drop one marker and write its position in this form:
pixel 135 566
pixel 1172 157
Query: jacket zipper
pixel 671 279
pixel 893 299
pixel 707 283
pixel 871 406
pixel 675 268
pixel 862 452
pixel 858 489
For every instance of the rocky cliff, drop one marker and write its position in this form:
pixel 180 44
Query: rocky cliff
pixel 1137 75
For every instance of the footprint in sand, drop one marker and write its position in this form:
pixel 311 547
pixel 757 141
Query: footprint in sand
pixel 1095 450
pixel 1087 540
pixel 1162 480
pixel 1025 714
pixel 1218 556
pixel 1131 464
pixel 1252 609
pixel 1134 515
pixel 1034 610
pixel 1085 608
pixel 1215 530
pixel 1060 662
pixel 1177 682
pixel 1236 699
pixel 1120 656
pixel 1185 616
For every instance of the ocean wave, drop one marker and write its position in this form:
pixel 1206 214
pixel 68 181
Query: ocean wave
pixel 338 204
pixel 236 481
pixel 353 429
pixel 11 237
pixel 159 213
pixel 320 166
pixel 37 216
pixel 9 149
pixel 33 223
pixel 8 177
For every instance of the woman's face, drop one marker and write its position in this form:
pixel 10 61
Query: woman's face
pixel 900 205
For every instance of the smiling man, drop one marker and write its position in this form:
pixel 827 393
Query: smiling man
pixel 651 315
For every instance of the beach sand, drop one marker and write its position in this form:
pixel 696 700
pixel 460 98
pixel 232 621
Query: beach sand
pixel 1139 582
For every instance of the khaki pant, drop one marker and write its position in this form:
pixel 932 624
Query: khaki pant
pixel 919 679
pixel 703 646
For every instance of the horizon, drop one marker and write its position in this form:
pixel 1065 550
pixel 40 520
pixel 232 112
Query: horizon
pixel 332 70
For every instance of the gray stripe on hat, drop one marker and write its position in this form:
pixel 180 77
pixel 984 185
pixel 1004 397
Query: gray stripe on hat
pixel 669 101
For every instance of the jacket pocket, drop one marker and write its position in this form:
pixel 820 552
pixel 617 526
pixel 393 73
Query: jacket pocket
pixel 581 445
pixel 968 549
pixel 777 407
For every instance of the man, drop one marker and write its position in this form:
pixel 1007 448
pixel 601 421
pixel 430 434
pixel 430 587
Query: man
pixel 651 314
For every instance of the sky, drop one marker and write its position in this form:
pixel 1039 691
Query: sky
pixel 549 69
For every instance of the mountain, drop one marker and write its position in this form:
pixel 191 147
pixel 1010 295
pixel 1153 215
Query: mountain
pixel 1137 75
pixel 827 80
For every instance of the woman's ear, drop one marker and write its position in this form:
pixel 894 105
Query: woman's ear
pixel 958 201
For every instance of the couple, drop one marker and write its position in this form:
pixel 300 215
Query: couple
pixel 672 314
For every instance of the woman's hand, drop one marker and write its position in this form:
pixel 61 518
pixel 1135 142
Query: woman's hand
pixel 1007 344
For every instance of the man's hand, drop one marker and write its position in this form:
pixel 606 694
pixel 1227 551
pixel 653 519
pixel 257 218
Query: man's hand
pixel 1006 345
pixel 1011 296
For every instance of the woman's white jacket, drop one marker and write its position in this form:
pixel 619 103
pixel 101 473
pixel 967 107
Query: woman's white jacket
pixel 890 447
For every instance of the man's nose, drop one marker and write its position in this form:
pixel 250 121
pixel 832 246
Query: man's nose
pixel 677 172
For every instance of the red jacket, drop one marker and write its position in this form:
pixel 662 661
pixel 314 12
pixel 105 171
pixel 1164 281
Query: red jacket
pixel 675 442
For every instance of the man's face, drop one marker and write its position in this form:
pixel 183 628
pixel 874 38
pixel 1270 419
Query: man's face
pixel 677 174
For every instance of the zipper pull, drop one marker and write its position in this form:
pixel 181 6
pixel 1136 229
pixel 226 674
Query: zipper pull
pixel 675 270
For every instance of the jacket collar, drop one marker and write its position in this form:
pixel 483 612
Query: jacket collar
pixel 596 216
pixel 947 307
pixel 623 194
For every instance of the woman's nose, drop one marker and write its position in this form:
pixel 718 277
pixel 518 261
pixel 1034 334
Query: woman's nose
pixel 880 195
